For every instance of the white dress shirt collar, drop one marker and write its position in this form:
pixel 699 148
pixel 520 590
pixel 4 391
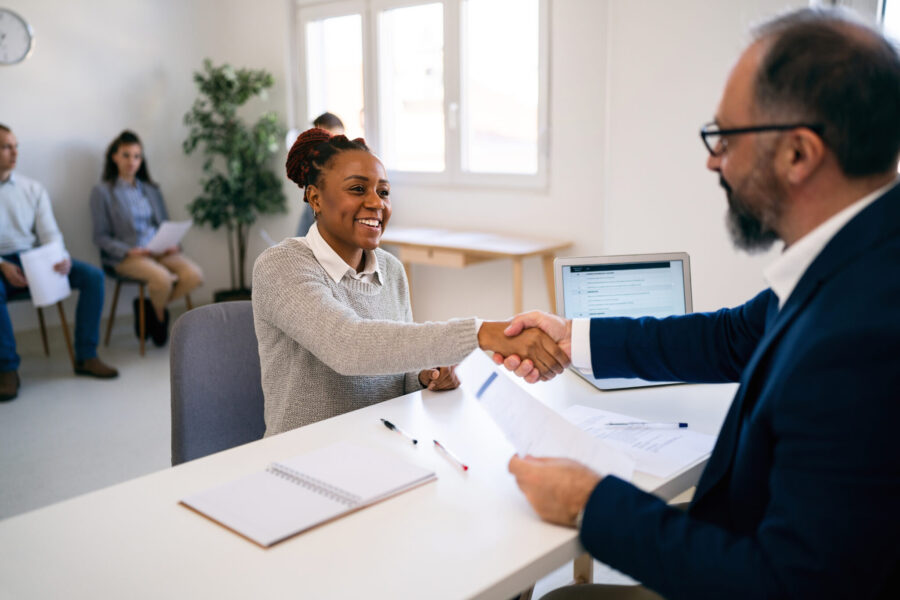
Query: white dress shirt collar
pixel 334 265
pixel 784 274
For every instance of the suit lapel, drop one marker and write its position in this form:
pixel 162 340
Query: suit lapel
pixel 875 224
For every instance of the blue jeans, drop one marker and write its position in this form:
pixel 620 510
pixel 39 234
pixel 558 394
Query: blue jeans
pixel 85 278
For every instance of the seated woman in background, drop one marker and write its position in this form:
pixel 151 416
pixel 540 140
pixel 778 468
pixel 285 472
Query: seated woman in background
pixel 332 311
pixel 127 208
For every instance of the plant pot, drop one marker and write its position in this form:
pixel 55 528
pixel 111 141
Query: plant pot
pixel 231 295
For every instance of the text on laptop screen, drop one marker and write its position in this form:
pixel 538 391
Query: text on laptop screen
pixel 648 289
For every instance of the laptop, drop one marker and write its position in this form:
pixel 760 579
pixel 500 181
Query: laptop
pixel 634 285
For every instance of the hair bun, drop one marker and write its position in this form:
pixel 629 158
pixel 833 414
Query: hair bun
pixel 302 154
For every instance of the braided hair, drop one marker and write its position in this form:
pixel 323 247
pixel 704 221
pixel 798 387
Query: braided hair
pixel 312 152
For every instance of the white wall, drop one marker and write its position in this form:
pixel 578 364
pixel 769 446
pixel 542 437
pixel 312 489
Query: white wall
pixel 100 66
pixel 631 83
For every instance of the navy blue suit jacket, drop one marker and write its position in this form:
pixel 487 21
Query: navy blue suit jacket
pixel 801 496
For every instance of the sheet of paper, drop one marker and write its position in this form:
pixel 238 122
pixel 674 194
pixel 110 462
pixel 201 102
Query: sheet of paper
pixel 534 428
pixel 45 285
pixel 660 452
pixel 169 234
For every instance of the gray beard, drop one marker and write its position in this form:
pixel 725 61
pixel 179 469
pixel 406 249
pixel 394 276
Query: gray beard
pixel 748 231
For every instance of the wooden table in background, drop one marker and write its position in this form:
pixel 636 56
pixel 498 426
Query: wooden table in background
pixel 458 249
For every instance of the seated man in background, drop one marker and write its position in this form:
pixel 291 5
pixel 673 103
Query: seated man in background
pixel 800 496
pixel 26 218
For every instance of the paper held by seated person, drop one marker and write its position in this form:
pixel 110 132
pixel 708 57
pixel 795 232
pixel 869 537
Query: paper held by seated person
pixel 659 452
pixel 534 428
pixel 168 235
pixel 45 285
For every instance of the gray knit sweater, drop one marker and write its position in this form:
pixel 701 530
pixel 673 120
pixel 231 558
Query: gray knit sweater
pixel 327 348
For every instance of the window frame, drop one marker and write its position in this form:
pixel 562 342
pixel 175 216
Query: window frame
pixel 452 175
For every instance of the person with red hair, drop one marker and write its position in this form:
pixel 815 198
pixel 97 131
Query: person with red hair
pixel 332 311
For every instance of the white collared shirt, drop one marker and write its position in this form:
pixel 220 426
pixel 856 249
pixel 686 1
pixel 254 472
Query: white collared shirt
pixel 334 265
pixel 782 275
pixel 26 216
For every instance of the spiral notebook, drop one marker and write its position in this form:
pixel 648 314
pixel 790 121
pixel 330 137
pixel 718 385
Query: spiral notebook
pixel 299 493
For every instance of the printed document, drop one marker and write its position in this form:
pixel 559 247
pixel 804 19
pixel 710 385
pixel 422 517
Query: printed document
pixel 534 428
pixel 659 452
pixel 45 285
pixel 169 234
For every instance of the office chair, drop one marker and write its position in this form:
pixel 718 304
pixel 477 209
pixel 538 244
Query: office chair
pixel 15 296
pixel 142 317
pixel 217 397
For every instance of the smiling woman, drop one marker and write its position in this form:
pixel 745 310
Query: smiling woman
pixel 331 309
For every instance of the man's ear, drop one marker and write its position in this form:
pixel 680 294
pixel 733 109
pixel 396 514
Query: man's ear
pixel 802 154
pixel 313 197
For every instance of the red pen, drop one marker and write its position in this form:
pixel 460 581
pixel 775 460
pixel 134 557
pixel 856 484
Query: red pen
pixel 451 456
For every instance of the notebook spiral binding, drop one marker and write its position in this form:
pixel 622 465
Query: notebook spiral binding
pixel 315 485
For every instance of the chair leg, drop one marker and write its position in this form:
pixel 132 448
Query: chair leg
pixel 187 302
pixel 112 312
pixel 142 318
pixel 65 328
pixel 43 331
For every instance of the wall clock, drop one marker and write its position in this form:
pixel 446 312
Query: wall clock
pixel 16 38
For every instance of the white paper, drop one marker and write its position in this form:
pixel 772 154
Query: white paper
pixel 45 285
pixel 534 428
pixel 659 452
pixel 169 234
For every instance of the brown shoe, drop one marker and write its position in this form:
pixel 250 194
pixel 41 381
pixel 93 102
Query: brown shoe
pixel 95 368
pixel 9 385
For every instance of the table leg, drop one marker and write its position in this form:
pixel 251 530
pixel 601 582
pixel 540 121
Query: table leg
pixel 584 569
pixel 548 277
pixel 517 285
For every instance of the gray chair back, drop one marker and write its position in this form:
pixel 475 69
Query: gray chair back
pixel 217 397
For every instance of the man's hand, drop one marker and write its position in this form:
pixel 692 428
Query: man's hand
pixel 557 488
pixel 559 329
pixel 63 267
pixel 545 356
pixel 139 251
pixel 171 250
pixel 13 274
pixel 439 379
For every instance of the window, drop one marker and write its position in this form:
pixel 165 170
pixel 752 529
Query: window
pixel 445 91
pixel 334 65
pixel 890 19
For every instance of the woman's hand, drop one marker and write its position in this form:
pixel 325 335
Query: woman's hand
pixel 439 379
pixel 531 344
pixel 138 251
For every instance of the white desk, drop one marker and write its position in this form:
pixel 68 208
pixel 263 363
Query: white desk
pixel 468 535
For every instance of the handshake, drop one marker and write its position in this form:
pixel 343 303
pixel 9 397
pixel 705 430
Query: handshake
pixel 535 345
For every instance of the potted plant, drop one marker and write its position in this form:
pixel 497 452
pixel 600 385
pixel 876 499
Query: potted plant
pixel 239 182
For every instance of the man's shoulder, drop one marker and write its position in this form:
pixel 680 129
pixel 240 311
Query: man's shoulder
pixel 29 185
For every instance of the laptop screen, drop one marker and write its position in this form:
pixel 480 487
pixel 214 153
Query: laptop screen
pixel 627 289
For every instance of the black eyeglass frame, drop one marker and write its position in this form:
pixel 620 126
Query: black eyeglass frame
pixel 705 132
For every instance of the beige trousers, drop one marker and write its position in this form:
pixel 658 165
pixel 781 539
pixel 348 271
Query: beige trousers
pixel 168 277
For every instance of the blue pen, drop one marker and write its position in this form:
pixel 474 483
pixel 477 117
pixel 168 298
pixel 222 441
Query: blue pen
pixel 649 425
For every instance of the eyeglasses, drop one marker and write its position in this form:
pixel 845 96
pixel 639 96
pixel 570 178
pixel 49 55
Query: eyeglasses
pixel 716 140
